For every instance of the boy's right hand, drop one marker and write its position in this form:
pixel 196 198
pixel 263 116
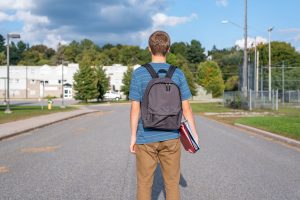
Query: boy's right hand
pixel 132 144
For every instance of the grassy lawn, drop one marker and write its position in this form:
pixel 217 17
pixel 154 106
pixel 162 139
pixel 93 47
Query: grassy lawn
pixel 23 112
pixel 210 107
pixel 288 126
pixel 285 121
pixel 102 102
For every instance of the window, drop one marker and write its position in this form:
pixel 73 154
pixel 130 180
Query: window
pixel 46 82
pixel 59 81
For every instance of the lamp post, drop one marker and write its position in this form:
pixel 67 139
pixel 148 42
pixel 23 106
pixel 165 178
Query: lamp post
pixel 9 35
pixel 243 79
pixel 270 72
pixel 230 22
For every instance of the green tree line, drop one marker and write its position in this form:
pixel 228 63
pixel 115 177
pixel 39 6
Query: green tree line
pixel 223 65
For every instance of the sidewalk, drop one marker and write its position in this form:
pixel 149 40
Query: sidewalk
pixel 14 128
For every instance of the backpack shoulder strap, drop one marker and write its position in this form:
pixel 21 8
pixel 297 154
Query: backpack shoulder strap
pixel 150 70
pixel 171 71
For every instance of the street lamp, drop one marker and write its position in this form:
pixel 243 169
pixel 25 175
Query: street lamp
pixel 270 80
pixel 13 36
pixel 230 22
pixel 243 79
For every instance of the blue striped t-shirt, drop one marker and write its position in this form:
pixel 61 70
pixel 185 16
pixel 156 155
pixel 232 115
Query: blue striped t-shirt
pixel 139 81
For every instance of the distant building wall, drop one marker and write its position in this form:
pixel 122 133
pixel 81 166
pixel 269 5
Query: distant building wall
pixel 37 81
pixel 202 94
pixel 116 75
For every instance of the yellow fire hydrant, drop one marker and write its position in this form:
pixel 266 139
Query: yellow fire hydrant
pixel 50 102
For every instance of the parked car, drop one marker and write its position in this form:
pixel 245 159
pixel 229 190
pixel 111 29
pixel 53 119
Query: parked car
pixel 112 95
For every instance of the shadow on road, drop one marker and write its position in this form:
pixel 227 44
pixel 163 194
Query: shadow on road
pixel 158 184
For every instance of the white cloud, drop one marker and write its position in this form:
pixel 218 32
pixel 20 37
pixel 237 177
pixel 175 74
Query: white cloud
pixel 115 21
pixel 293 34
pixel 4 17
pixel 162 20
pixel 290 30
pixel 16 4
pixel 222 3
pixel 251 42
pixel 24 16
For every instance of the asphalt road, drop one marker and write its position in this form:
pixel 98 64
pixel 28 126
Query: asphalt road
pixel 88 158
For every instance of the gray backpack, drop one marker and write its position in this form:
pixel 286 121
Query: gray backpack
pixel 161 104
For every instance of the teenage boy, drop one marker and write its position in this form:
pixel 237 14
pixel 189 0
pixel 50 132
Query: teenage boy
pixel 151 146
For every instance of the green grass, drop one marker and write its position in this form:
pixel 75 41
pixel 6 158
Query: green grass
pixel 288 126
pixel 24 112
pixel 210 107
pixel 102 102
pixel 285 121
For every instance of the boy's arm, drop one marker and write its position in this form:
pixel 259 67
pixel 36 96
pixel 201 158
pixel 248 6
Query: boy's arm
pixel 134 118
pixel 188 114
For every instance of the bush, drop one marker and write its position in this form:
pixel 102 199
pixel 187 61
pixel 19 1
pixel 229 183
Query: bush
pixel 210 77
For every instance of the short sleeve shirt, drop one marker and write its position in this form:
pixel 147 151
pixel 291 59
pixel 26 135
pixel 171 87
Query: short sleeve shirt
pixel 139 81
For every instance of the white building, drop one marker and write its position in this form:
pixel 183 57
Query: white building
pixel 37 81
pixel 116 74
pixel 42 81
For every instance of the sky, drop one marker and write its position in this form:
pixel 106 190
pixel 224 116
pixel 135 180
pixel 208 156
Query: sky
pixel 131 22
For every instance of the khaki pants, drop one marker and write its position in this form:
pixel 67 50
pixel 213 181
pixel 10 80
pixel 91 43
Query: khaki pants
pixel 147 157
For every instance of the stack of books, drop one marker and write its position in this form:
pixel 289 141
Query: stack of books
pixel 187 138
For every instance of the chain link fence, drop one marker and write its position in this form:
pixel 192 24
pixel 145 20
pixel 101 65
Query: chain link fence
pixel 261 99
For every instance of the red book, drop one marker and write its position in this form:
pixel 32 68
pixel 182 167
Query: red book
pixel 187 138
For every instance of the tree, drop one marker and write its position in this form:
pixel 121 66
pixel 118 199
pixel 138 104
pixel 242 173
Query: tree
pixel 228 59
pixel 129 55
pixel 102 82
pixel 14 55
pixel 2 58
pixel 85 83
pixel 195 52
pixel 281 52
pixel 232 83
pixel 71 51
pixel 2 44
pixel 210 77
pixel 126 81
pixel 172 59
pixel 179 48
pixel 190 79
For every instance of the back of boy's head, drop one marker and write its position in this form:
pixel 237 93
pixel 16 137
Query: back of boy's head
pixel 159 43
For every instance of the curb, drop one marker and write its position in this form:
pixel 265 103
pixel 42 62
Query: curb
pixel 44 125
pixel 267 134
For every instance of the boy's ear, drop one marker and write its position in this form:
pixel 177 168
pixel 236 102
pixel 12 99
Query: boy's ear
pixel 149 49
pixel 169 49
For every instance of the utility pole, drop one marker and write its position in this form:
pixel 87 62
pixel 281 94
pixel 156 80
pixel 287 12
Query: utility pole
pixel 255 67
pixel 282 74
pixel 257 71
pixel 261 80
pixel 63 63
pixel 270 72
pixel 26 82
pixel 245 66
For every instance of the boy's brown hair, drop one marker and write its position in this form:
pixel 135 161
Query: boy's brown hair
pixel 159 43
